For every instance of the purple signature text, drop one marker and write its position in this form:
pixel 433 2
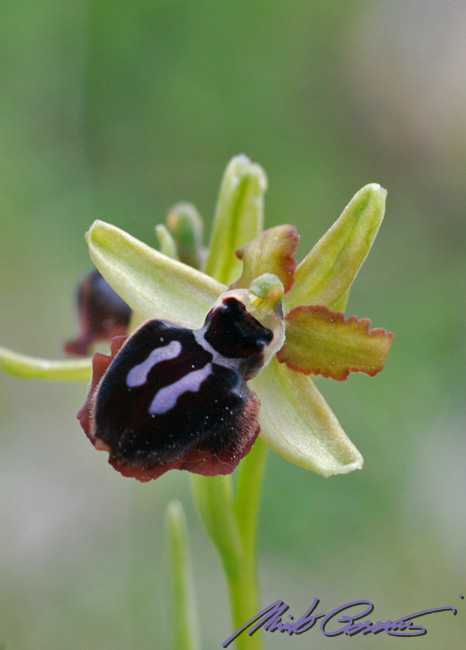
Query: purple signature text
pixel 349 619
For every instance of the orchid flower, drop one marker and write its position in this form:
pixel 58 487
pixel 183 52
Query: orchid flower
pixel 228 340
pixel 305 300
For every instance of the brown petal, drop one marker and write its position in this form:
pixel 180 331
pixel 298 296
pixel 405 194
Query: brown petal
pixel 270 252
pixel 323 342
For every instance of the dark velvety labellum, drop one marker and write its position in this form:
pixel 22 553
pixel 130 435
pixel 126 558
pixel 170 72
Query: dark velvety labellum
pixel 235 334
pixel 174 398
pixel 102 314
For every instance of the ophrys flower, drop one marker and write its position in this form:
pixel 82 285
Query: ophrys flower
pixel 294 418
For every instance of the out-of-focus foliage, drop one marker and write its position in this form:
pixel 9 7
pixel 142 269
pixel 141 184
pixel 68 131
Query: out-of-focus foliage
pixel 117 111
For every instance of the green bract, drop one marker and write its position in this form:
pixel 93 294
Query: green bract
pixel 295 419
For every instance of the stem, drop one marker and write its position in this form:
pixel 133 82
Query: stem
pixel 232 526
pixel 248 494
pixel 241 574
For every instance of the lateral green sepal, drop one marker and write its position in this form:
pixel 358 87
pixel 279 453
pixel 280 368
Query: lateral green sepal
pixel 298 424
pixel 152 284
pixel 26 367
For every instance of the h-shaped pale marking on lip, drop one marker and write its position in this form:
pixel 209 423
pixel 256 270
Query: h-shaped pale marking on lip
pixel 137 376
pixel 167 397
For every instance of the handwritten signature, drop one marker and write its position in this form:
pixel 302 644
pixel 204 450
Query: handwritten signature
pixel 270 618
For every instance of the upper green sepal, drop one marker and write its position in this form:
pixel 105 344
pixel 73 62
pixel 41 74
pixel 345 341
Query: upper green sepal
pixel 239 217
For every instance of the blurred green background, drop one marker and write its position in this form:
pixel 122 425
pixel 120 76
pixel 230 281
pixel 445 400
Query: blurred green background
pixel 116 110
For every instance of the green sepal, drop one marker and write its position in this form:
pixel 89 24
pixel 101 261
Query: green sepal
pixel 328 271
pixel 151 283
pixel 26 367
pixel 323 342
pixel 341 304
pixel 238 218
pixel 297 423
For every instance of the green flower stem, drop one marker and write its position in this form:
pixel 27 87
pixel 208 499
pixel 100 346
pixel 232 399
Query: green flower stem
pixel 231 522
pixel 214 500
pixel 242 574
pixel 244 599
pixel 248 494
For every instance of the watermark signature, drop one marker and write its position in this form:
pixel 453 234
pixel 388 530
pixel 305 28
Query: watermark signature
pixel 349 619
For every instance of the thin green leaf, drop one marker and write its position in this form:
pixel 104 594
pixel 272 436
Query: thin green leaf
pixel 184 611
pixel 21 365
pixel 238 218
pixel 151 283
